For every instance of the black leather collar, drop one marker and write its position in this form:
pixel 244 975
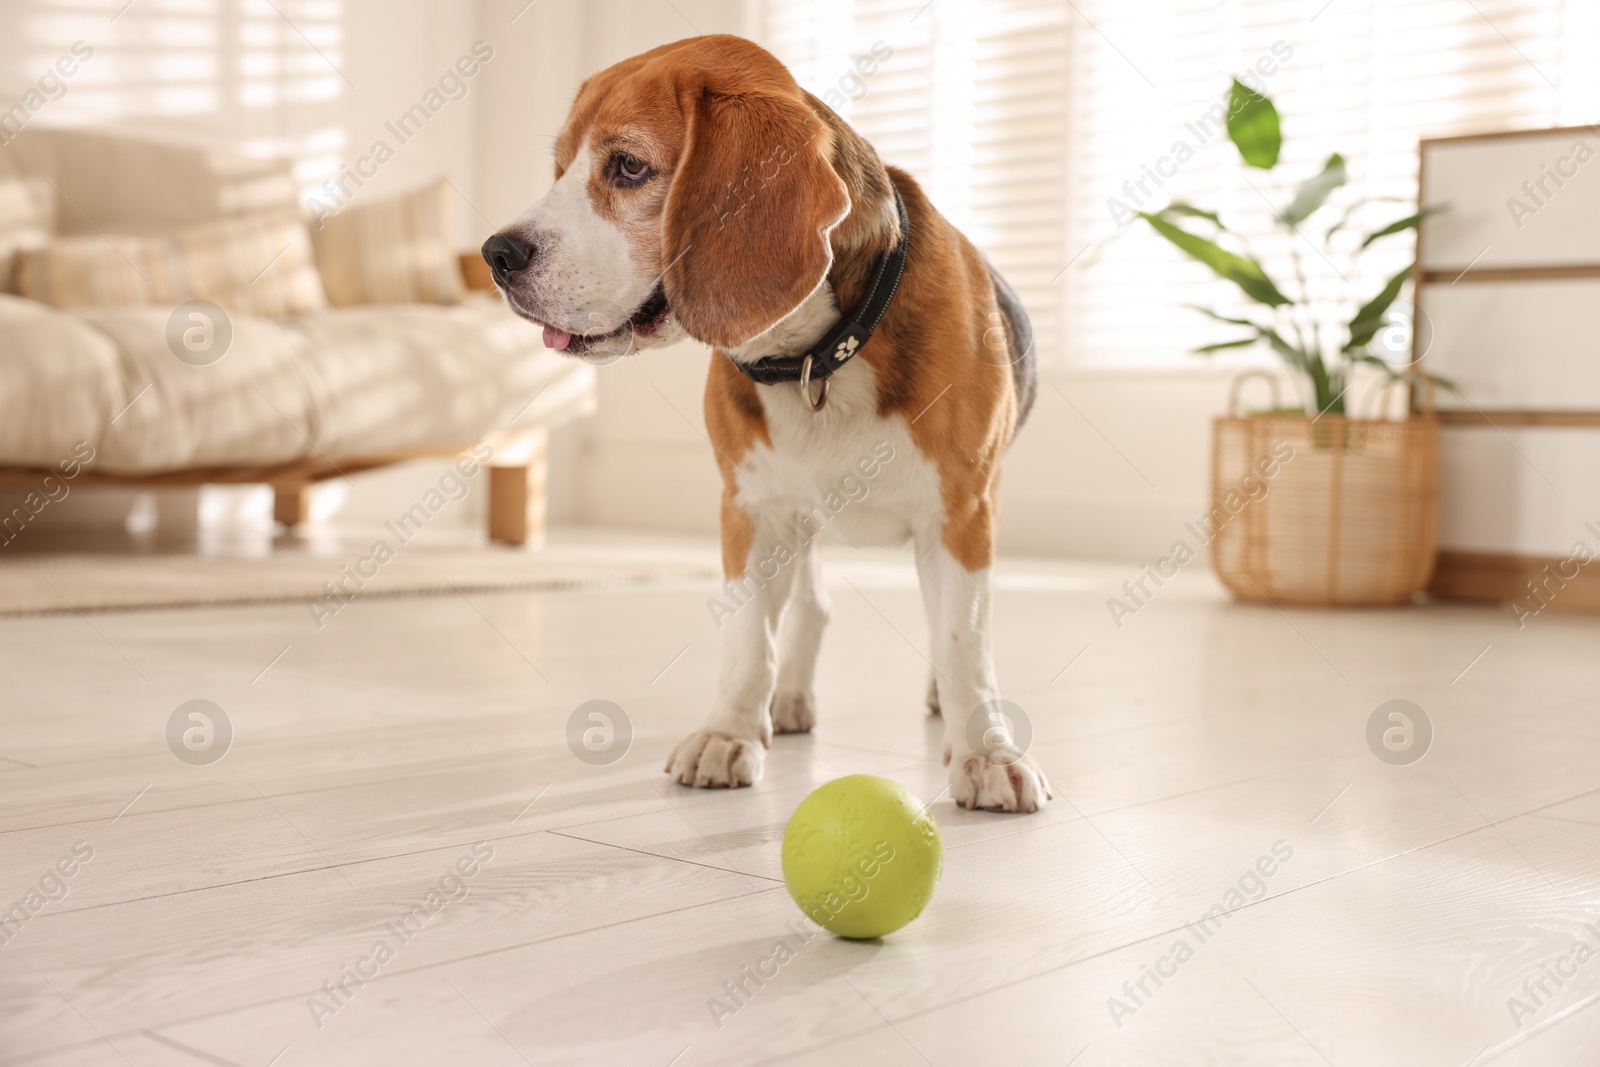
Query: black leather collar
pixel 851 332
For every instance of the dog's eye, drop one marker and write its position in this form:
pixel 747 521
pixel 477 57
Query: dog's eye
pixel 630 171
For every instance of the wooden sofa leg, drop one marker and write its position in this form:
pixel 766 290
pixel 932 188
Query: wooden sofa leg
pixel 517 500
pixel 291 503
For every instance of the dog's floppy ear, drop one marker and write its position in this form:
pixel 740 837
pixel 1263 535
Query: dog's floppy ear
pixel 748 215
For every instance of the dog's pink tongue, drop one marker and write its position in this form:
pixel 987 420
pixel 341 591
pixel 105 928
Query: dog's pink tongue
pixel 556 339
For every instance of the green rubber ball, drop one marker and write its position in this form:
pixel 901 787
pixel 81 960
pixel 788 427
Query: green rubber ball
pixel 861 856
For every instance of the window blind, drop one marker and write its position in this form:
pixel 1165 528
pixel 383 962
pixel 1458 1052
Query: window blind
pixel 1036 127
pixel 970 97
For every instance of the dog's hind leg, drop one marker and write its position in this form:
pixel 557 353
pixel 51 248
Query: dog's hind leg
pixel 794 703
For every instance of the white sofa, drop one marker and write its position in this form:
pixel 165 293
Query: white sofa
pixel 294 401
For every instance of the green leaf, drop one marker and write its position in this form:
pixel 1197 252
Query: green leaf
pixel 1179 208
pixel 1246 273
pixel 1408 374
pixel 1382 364
pixel 1291 355
pixel 1221 318
pixel 1313 192
pixel 1349 212
pixel 1253 126
pixel 1370 318
pixel 1410 222
pixel 1243 342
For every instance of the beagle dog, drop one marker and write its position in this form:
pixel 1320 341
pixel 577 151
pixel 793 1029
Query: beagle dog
pixel 864 354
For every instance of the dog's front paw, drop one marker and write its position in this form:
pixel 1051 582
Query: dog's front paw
pixel 708 760
pixel 1001 781
pixel 794 711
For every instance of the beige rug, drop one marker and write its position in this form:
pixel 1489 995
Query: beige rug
pixel 48 584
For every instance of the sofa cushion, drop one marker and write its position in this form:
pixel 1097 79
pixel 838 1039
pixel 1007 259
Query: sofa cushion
pixel 252 407
pixel 25 222
pixel 116 183
pixel 260 265
pixel 61 381
pixel 400 250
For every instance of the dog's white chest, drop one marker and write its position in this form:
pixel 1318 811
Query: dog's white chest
pixel 848 474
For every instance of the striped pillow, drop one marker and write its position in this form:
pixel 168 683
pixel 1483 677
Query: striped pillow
pixel 401 250
pixel 260 266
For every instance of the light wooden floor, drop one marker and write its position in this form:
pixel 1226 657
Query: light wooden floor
pixel 372 755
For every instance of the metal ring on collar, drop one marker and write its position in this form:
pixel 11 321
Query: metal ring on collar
pixel 805 387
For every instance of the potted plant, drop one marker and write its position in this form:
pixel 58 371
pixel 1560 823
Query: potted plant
pixel 1313 506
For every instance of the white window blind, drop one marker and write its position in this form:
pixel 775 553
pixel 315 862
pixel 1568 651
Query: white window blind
pixel 970 96
pixel 1025 119
pixel 263 75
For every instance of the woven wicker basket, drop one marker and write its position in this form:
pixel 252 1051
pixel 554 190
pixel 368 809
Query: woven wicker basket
pixel 1347 517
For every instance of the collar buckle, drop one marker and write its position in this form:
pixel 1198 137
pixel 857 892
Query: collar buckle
pixel 805 387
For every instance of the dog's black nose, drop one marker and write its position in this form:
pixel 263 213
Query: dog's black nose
pixel 506 255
